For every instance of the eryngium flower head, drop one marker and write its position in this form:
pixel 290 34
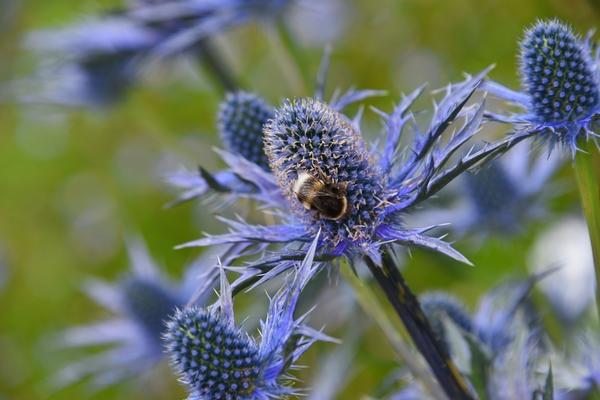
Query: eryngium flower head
pixel 241 119
pixel 561 85
pixel 141 303
pixel 355 195
pixel 217 360
pixel 558 73
pixel 307 137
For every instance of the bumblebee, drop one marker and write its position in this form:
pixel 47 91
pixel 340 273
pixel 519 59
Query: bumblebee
pixel 321 195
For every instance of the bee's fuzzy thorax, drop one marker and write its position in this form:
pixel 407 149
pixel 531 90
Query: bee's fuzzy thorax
pixel 308 137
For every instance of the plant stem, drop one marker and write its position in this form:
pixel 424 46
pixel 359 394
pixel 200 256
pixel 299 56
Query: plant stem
pixel 409 311
pixel 587 171
pixel 293 63
pixel 372 307
pixel 216 66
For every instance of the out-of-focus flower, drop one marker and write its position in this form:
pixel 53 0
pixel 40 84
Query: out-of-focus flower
pixel 216 359
pixel 561 96
pixel 96 62
pixel 565 246
pixel 92 63
pixel 500 197
pixel 334 183
pixel 500 347
pixel 192 21
pixel 242 117
pixel 141 302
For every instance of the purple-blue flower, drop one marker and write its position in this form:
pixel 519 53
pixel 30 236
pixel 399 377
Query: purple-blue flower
pixel 561 93
pixel 500 347
pixel 141 302
pixel 91 63
pixel 195 20
pixel 308 137
pixel 216 359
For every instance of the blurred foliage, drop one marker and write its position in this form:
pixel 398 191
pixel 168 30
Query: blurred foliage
pixel 74 183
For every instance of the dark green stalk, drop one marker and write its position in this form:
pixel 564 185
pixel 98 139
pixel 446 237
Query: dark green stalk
pixel 215 66
pixel 409 311
pixel 587 170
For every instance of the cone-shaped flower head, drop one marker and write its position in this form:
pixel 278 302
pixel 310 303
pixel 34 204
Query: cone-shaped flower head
pixel 324 178
pixel 557 73
pixel 561 92
pixel 241 119
pixel 217 360
pixel 213 356
pixel 308 139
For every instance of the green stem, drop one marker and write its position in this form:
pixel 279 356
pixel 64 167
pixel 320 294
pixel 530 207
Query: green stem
pixel 587 170
pixel 409 311
pixel 216 67
pixel 372 307
pixel 292 59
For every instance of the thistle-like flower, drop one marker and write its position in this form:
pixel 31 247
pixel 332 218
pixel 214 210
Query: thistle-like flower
pixel 561 92
pixel 241 119
pixel 215 359
pixel 142 302
pixel 207 18
pixel 95 61
pixel 333 182
pixel 500 343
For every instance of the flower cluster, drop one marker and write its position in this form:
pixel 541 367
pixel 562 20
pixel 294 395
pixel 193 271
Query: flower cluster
pixel 333 182
pixel 329 194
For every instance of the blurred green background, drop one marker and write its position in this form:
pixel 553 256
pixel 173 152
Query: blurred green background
pixel 74 183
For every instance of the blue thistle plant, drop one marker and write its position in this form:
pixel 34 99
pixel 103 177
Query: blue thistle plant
pixel 215 359
pixel 311 137
pixel 241 119
pixel 560 96
pixel 141 301
pixel 500 347
pixel 95 62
